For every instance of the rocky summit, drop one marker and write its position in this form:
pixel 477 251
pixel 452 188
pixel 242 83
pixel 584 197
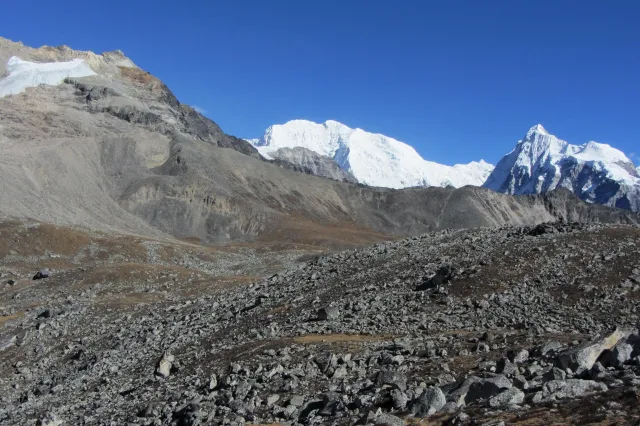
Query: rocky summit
pixel 520 325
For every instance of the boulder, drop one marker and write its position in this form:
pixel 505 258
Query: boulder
pixel 571 388
pixel 582 357
pixel 513 396
pixel 384 419
pixel 329 313
pixel 392 378
pixel 430 402
pixel 476 388
pixel 618 356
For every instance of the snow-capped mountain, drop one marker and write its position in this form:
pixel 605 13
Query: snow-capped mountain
pixel 23 74
pixel 374 159
pixel 541 162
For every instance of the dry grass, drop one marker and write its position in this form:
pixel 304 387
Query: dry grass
pixel 37 240
pixel 7 318
pixel 136 75
pixel 302 233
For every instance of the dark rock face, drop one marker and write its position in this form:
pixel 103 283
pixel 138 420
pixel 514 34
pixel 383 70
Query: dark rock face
pixel 306 161
pixel 143 112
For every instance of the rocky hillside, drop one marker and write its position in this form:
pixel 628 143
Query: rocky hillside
pixel 533 325
pixel 306 161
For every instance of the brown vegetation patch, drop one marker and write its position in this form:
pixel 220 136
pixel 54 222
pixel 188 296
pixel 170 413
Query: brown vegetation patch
pixel 7 318
pixel 136 75
pixel 303 233
pixel 39 239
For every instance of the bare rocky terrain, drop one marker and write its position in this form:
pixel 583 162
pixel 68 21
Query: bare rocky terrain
pixel 155 270
pixel 512 324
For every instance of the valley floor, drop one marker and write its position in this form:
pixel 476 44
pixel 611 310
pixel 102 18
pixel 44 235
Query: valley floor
pixel 453 327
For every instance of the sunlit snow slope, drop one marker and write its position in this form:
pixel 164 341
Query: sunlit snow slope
pixel 23 74
pixel 374 159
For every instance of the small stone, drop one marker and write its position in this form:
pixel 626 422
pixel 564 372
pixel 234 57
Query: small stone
pixel 296 401
pixel 50 420
pixel 213 382
pixel 164 365
pixel 506 367
pixel 329 313
pixel 518 357
pixel 340 373
pixel 488 336
pixel 42 273
pixel 399 399
pixel 272 399
pixel 554 374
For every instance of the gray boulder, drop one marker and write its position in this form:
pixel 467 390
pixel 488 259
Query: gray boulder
pixel 329 313
pixel 476 388
pixel 617 356
pixel 583 356
pixel 384 419
pixel 392 378
pixel 430 402
pixel 513 396
pixel 571 388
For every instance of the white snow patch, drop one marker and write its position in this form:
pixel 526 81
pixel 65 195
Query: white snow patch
pixel 374 159
pixel 23 74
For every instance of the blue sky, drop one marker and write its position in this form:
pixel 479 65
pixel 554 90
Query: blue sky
pixel 458 80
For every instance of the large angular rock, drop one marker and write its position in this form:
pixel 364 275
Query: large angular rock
pixel 513 396
pixel 571 388
pixel 477 388
pixel 617 356
pixel 392 378
pixel 583 357
pixel 329 313
pixel 430 402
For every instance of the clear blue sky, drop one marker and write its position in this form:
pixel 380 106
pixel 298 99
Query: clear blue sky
pixel 459 80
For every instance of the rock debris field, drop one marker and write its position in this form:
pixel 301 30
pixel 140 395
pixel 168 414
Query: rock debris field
pixel 533 325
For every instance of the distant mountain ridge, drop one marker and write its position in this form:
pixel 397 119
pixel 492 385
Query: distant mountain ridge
pixel 373 159
pixel 595 172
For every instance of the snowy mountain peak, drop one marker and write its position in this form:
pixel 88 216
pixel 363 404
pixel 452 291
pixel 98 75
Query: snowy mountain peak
pixel 537 129
pixel 374 159
pixel 541 162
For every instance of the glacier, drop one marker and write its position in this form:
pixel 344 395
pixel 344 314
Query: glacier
pixel 23 74
pixel 373 159
pixel 595 172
